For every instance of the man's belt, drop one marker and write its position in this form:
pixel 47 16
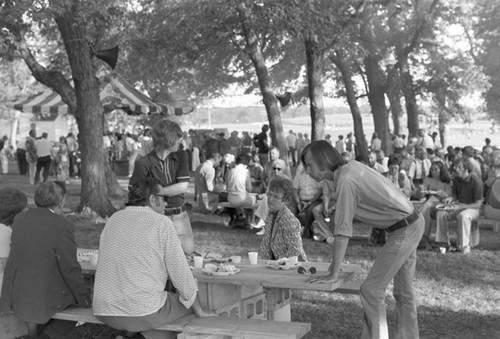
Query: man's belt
pixel 175 210
pixel 403 222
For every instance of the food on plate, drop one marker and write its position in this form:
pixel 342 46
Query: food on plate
pixel 220 268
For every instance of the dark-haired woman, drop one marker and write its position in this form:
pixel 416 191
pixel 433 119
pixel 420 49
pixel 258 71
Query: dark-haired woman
pixel 366 195
pixel 12 202
pixel 42 275
pixel 436 187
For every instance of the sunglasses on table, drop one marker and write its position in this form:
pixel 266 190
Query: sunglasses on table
pixel 303 270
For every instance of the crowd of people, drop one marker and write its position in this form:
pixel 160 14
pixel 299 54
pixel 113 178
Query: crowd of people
pixel 318 190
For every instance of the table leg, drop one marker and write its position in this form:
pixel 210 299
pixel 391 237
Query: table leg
pixel 278 304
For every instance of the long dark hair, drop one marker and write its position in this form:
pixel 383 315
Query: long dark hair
pixel 324 155
pixel 444 176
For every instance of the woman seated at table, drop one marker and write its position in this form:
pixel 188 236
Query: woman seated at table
pixel 12 202
pixel 436 187
pixel 282 237
pixel 42 275
pixel 262 211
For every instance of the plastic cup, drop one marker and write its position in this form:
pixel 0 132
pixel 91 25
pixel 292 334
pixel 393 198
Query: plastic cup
pixel 253 256
pixel 236 259
pixel 442 250
pixel 198 261
pixel 93 259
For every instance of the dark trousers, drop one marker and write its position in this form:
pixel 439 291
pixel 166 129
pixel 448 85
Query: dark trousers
pixel 22 163
pixel 291 152
pixel 42 163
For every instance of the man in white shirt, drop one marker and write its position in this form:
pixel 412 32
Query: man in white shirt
pixel 139 252
pixel 204 183
pixel 424 139
pixel 44 152
pixel 420 167
pixel 291 140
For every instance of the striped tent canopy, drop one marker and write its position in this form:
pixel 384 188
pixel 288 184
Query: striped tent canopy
pixel 117 93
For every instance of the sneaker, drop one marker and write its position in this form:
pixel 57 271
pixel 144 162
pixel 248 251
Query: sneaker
pixel 259 225
pixel 466 250
pixel 261 232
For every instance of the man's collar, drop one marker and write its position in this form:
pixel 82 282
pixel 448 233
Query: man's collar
pixel 171 155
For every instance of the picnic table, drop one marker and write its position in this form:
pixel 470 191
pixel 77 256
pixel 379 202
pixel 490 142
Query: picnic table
pixel 256 291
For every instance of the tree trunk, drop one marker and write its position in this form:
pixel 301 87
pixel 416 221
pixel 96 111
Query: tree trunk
pixel 359 134
pixel 411 101
pixel 376 96
pixel 270 102
pixel 314 57
pixel 394 95
pixel 88 114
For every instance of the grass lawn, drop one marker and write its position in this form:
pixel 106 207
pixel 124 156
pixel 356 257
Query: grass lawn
pixel 458 296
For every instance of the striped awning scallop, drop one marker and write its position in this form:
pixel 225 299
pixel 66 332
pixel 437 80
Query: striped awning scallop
pixel 117 93
pixel 46 105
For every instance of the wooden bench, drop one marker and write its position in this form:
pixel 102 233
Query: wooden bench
pixel 192 327
pixel 489 223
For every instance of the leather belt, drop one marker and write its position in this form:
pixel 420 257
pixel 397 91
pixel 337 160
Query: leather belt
pixel 175 210
pixel 403 222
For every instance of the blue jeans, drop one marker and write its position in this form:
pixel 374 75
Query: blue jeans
pixel 397 260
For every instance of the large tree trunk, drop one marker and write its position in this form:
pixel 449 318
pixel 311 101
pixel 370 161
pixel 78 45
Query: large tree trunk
pixel 410 99
pixel 376 96
pixel 88 114
pixel 314 57
pixel 270 102
pixel 394 95
pixel 359 134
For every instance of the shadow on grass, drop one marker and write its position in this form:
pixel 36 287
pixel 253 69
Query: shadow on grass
pixel 339 316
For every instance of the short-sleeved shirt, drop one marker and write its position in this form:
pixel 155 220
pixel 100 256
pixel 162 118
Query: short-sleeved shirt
pixel 174 169
pixel 468 191
pixel 368 196
pixel 305 184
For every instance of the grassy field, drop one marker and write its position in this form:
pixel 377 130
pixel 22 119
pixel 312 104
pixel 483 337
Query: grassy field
pixel 458 296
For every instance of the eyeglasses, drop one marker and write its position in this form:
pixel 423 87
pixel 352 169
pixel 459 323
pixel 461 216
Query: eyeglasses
pixel 277 169
pixel 302 270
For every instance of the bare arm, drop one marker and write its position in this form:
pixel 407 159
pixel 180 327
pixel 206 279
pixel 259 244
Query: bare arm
pixel 200 311
pixel 175 189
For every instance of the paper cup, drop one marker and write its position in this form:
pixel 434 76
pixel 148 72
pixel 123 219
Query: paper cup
pixel 198 262
pixel 442 250
pixel 93 259
pixel 236 259
pixel 253 256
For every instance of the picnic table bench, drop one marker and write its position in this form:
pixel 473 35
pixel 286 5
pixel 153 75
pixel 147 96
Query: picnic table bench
pixel 192 327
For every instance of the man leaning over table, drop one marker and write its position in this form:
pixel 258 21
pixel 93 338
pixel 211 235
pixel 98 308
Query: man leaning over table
pixel 367 195
pixel 467 193
pixel 170 166
pixel 139 251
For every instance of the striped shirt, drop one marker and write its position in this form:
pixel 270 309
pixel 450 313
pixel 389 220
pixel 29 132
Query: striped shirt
pixel 139 250
pixel 173 169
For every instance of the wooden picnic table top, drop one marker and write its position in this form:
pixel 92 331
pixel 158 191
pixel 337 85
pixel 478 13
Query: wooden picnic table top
pixel 259 275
